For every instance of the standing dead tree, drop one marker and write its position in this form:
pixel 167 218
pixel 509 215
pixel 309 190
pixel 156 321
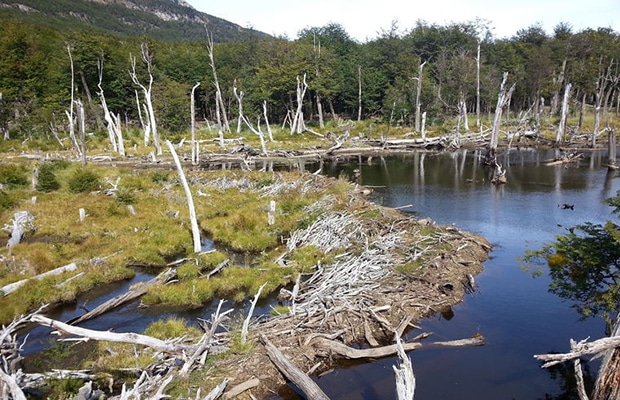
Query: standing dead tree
pixel 502 100
pixel 190 199
pixel 604 87
pixel 298 125
pixel 239 96
pixel 192 107
pixel 71 113
pixel 220 108
pixel 113 123
pixel 418 95
pixel 147 59
pixel 564 114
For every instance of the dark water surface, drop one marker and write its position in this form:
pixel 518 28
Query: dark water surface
pixel 513 310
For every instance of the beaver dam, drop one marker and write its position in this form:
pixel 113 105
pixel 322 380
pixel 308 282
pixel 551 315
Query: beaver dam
pixel 350 276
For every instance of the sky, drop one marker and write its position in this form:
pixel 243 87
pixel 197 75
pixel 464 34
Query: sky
pixel 364 20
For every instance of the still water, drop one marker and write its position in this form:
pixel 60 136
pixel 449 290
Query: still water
pixel 513 310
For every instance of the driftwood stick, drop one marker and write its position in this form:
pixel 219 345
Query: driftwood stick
pixel 405 379
pixel 477 340
pixel 294 374
pixel 580 349
pixel 133 338
pixel 351 353
pixel 134 293
pixel 581 387
pixel 11 287
pixel 240 388
pixel 217 391
pixel 246 322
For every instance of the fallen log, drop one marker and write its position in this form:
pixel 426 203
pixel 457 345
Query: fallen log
pixel 351 353
pixel 13 387
pixel 137 291
pixel 294 374
pixel 133 338
pixel 477 340
pixel 580 349
pixel 240 388
pixel 11 287
pixel 405 379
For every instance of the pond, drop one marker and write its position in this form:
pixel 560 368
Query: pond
pixel 513 310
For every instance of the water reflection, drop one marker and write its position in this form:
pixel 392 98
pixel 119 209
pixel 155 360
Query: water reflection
pixel 516 313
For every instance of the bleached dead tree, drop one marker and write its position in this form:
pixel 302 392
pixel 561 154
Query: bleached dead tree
pixel 269 132
pixel 359 93
pixel 564 114
pixel 257 131
pixel 220 108
pixel 298 125
pixel 147 59
pixel 478 87
pixel 502 100
pixel 190 199
pixel 192 107
pixel 113 123
pixel 239 96
pixel 71 113
pixel 605 84
pixel 418 95
pixel 82 126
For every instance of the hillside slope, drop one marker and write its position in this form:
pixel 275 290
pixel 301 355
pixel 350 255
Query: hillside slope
pixel 166 20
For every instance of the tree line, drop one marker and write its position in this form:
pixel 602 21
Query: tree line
pixel 442 71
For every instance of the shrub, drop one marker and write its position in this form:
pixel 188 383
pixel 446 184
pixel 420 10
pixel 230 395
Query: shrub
pixel 6 201
pixel 13 175
pixel 83 180
pixel 47 181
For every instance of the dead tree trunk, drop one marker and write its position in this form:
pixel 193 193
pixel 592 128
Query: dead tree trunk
pixel 359 93
pixel 239 97
pixel 607 385
pixel 192 107
pixel 298 125
pixel 557 82
pixel 71 113
pixel 478 88
pixel 82 121
pixel 190 199
pixel 112 123
pixel 147 58
pixel 222 118
pixel 564 115
pixel 502 100
pixel 418 94
pixel 269 132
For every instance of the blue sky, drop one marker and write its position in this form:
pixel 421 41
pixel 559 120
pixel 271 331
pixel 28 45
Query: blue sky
pixel 365 19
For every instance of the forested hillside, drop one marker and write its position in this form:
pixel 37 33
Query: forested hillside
pixel 166 20
pixel 399 77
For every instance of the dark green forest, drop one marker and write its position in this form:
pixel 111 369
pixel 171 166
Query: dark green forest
pixel 346 79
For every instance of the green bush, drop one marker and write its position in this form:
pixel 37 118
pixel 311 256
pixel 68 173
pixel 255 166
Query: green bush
pixel 83 180
pixel 47 181
pixel 6 201
pixel 125 197
pixel 13 176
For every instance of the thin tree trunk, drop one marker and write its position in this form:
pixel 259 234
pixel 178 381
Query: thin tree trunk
pixel 298 125
pixel 82 125
pixel 563 116
pixel 478 88
pixel 193 125
pixel 269 132
pixel 71 113
pixel 147 92
pixel 239 97
pixel 418 94
pixel 190 199
pixel 359 92
pixel 501 102
pixel 222 118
